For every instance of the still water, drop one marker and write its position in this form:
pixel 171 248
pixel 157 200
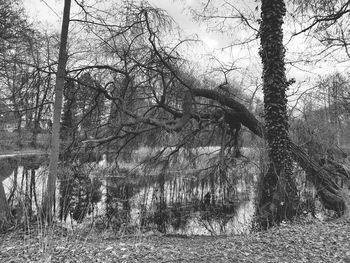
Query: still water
pixel 191 202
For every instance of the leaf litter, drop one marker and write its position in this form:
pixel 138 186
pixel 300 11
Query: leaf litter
pixel 294 242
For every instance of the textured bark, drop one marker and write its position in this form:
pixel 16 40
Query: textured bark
pixel 49 200
pixel 278 190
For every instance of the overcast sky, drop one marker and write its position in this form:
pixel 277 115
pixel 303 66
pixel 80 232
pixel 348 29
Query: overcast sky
pixel 49 14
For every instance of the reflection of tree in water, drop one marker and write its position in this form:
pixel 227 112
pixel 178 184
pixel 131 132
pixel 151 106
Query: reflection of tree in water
pixel 209 199
pixel 191 199
pixel 220 213
pixel 161 215
pixel 118 203
pixel 168 202
pixel 7 166
pixel 21 204
pixel 30 166
pixel 79 194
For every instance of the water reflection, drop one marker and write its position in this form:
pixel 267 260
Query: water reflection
pixel 176 202
pixel 20 185
pixel 208 205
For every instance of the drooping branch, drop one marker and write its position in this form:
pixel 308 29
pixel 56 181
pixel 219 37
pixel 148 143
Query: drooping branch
pixel 328 18
pixel 236 109
pixel 329 191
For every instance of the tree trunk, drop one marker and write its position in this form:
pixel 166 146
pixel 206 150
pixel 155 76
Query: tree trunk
pixel 18 117
pixel 278 190
pixel 49 199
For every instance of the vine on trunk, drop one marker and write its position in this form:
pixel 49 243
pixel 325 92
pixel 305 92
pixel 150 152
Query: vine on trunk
pixel 278 190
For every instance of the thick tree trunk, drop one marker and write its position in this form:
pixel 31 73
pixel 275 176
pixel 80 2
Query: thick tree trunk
pixel 279 198
pixel 49 200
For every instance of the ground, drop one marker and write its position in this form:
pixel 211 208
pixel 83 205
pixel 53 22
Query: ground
pixel 297 242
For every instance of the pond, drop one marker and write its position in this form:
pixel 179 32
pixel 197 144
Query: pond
pixel 191 202
pixel 181 204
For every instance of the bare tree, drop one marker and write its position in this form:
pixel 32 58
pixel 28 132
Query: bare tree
pixel 49 199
